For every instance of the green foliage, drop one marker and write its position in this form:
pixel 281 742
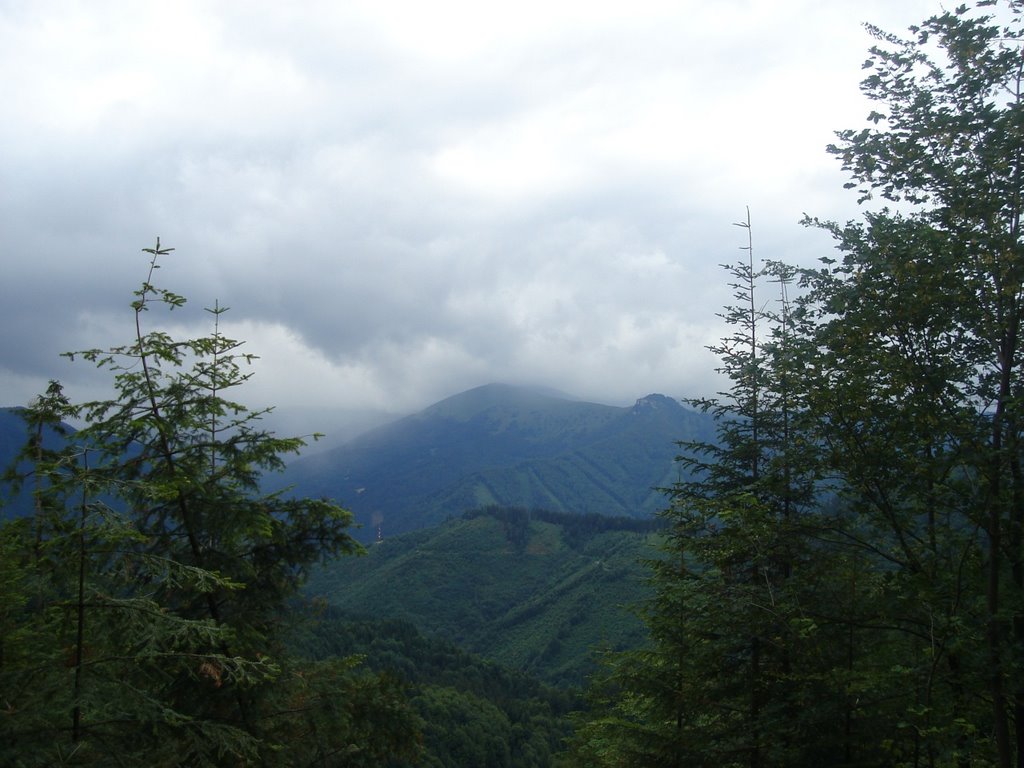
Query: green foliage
pixel 925 310
pixel 730 587
pixel 144 597
pixel 532 590
pixel 473 712
pixel 844 578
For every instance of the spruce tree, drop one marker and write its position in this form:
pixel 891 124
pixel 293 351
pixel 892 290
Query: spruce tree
pixel 717 686
pixel 151 590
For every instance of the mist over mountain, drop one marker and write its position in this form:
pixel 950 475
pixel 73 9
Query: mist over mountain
pixel 508 446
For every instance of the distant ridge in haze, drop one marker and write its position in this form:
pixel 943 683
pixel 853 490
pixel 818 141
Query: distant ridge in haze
pixel 508 446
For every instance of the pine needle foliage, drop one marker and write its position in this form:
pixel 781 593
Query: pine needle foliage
pixel 144 601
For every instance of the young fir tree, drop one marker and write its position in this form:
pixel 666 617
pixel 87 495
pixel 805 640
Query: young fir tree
pixel 719 684
pixel 147 597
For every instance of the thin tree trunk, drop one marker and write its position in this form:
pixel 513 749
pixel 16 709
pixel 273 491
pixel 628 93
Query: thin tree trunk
pixel 993 631
pixel 76 714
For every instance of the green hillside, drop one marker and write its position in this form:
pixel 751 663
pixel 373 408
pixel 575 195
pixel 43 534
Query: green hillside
pixel 534 592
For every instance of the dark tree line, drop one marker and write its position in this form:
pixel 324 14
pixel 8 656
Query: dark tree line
pixel 842 581
pixel 577 528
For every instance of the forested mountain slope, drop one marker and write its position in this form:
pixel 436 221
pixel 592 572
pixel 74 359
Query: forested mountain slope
pixel 506 446
pixel 537 592
pixel 471 710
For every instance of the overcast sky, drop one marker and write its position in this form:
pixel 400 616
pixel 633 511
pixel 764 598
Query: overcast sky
pixel 403 200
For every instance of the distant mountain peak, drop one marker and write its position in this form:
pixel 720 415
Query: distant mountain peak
pixel 654 402
pixel 496 395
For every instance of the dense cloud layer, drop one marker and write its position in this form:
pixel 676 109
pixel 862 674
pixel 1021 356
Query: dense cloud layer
pixel 403 200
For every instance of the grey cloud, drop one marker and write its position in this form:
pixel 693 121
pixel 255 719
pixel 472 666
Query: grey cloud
pixel 546 204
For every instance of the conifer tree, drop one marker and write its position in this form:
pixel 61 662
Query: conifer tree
pixel 150 590
pixel 716 687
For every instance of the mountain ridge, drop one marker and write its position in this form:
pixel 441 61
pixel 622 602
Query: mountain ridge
pixel 508 446
pixel 497 444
